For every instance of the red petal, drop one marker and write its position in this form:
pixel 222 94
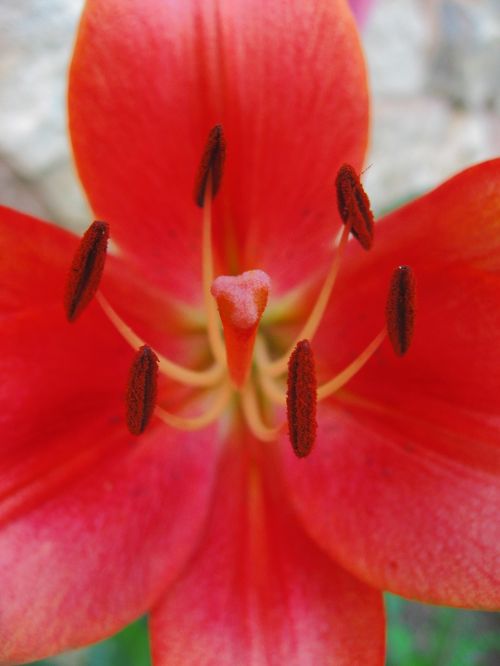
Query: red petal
pixel 151 77
pixel 450 376
pixel 93 522
pixel 260 592
pixel 409 487
pixel 95 556
pixel 54 374
pixel 398 516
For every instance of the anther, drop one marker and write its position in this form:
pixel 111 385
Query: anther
pixel 354 205
pixel 86 269
pixel 400 310
pixel 211 165
pixel 301 399
pixel 141 390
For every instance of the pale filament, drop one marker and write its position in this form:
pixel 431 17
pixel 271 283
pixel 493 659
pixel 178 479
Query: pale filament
pixel 272 391
pixel 208 377
pixel 213 330
pixel 253 416
pixel 220 403
pixel 348 373
pixel 267 383
pixel 279 366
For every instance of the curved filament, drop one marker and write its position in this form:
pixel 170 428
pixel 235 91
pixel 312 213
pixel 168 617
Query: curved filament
pixel 206 378
pixel 201 421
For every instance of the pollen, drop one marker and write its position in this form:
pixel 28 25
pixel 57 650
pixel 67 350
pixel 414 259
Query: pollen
pixel 141 390
pixel 400 311
pixel 301 399
pixel 211 165
pixel 86 270
pixel 354 205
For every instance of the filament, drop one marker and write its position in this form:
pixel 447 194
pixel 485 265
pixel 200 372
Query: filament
pixel 201 421
pixel 348 373
pixel 253 417
pixel 267 383
pixel 207 377
pixel 279 366
pixel 213 331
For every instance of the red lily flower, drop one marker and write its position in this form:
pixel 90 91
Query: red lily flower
pixel 242 552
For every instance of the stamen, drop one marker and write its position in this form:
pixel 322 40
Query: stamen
pixel 301 399
pixel 354 205
pixel 270 389
pixel 198 422
pixel 348 373
pixel 86 269
pixel 279 366
pixel 211 166
pixel 400 311
pixel 253 418
pixel 241 300
pixel 213 332
pixel 207 377
pixel 141 390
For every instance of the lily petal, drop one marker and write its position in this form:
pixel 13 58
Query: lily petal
pixel 150 78
pixel 397 516
pixel 405 481
pixel 451 239
pixel 94 521
pixel 259 591
pixel 99 553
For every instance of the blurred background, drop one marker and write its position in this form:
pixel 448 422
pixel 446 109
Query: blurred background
pixel 434 69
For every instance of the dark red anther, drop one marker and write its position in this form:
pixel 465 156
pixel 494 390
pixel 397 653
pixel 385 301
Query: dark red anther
pixel 211 165
pixel 141 390
pixel 301 399
pixel 354 205
pixel 400 311
pixel 86 270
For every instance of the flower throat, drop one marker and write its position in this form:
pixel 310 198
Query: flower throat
pixel 233 305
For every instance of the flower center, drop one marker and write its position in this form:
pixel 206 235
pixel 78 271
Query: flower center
pixel 243 368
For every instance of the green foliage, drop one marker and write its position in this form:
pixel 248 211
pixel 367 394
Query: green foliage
pixel 130 647
pixel 418 635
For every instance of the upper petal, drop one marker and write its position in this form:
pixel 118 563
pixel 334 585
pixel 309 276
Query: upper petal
pixel 93 522
pixel 150 78
pixel 405 489
pixel 259 591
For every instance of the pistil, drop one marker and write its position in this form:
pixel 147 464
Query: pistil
pixel 241 300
